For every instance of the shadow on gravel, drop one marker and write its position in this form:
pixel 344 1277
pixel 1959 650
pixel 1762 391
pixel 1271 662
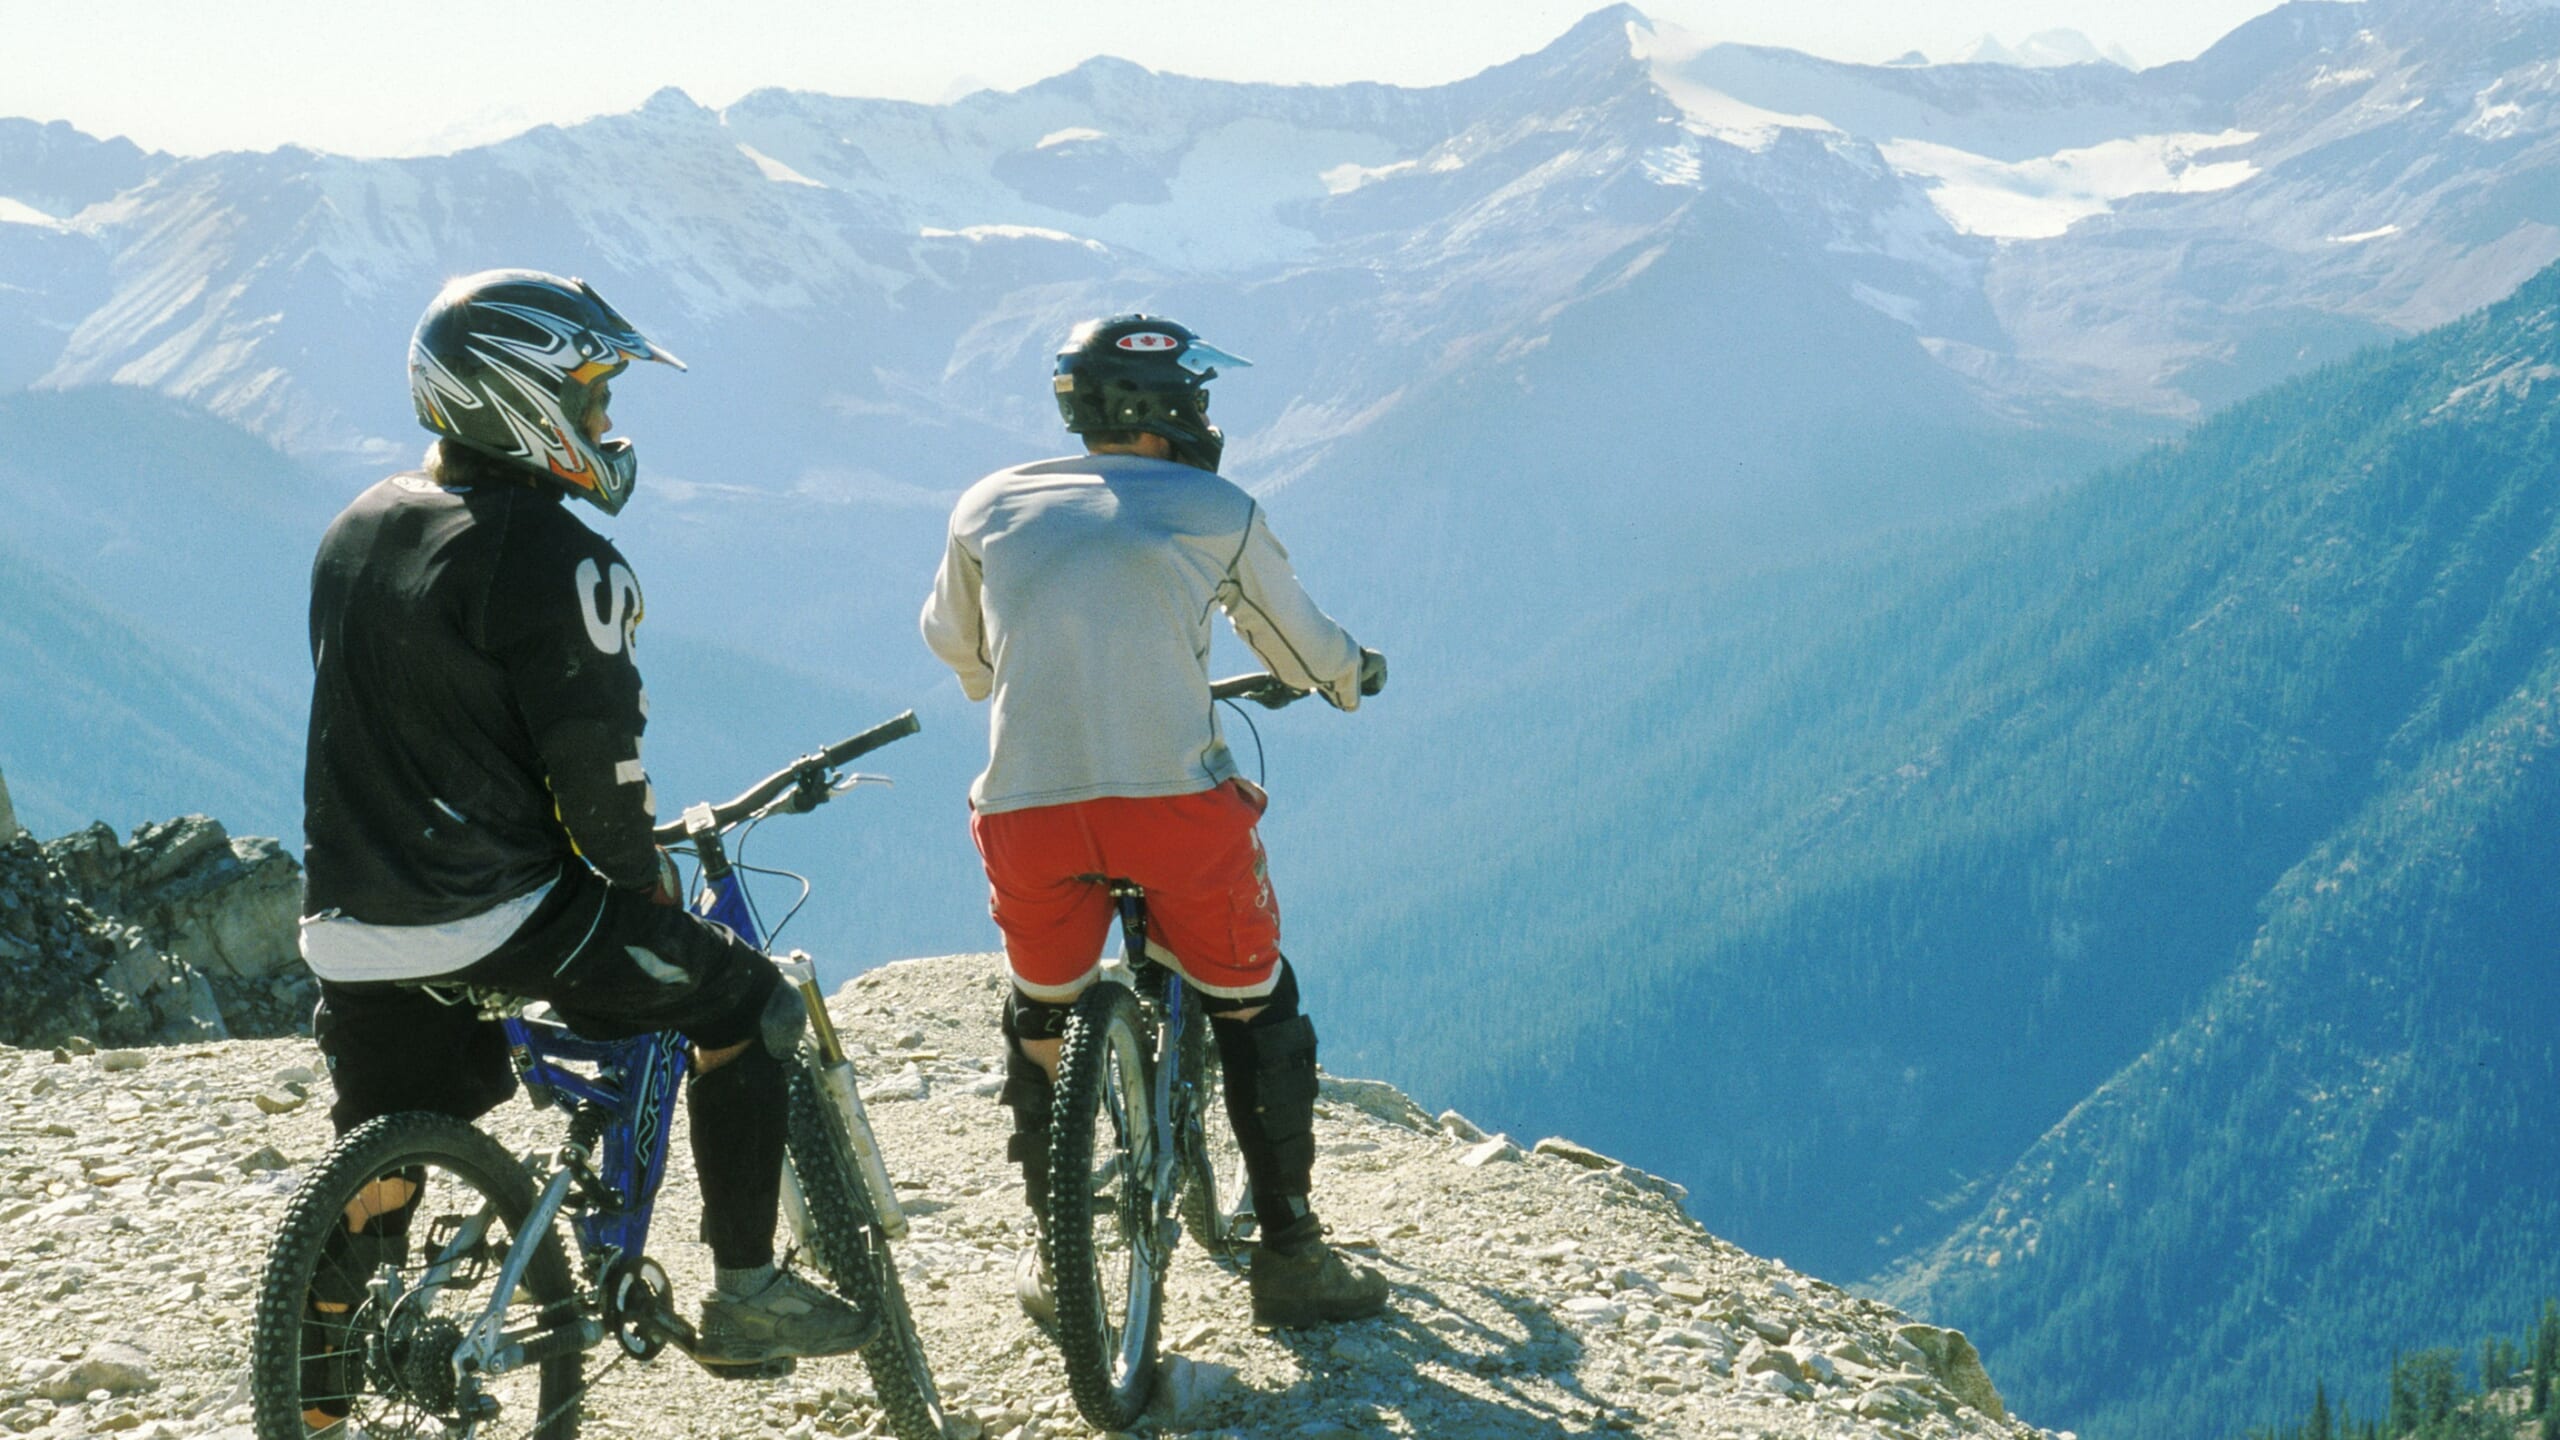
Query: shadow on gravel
pixel 1519 1369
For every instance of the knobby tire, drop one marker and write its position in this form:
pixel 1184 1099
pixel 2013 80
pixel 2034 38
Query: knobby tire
pixel 1111 1370
pixel 372 1150
pixel 853 1253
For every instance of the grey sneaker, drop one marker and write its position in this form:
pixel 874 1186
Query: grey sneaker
pixel 1299 1280
pixel 788 1317
pixel 1035 1287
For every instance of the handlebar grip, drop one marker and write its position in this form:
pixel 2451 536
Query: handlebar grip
pixel 846 751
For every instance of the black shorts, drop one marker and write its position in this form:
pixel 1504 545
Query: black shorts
pixel 610 961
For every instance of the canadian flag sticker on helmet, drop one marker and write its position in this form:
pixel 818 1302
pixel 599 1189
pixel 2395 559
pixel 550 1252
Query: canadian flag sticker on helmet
pixel 1151 340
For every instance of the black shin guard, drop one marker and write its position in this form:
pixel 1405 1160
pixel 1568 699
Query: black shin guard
pixel 331 1359
pixel 1029 1092
pixel 351 1258
pixel 739 1116
pixel 1270 1064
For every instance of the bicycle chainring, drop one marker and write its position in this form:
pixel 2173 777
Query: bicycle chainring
pixel 640 1309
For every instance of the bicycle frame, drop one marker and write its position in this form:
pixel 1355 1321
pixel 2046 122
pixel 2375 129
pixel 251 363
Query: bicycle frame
pixel 633 1092
pixel 1174 1099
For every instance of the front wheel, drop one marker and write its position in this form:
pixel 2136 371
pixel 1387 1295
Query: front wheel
pixel 358 1327
pixel 843 1233
pixel 1109 1235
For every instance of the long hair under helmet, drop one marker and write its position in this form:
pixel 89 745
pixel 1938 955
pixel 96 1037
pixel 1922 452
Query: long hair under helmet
pixel 508 362
pixel 1144 373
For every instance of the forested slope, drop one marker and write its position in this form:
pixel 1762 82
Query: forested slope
pixel 2353 1125
pixel 1932 846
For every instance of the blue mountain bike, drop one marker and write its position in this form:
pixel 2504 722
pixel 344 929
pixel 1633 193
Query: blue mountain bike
pixel 462 1313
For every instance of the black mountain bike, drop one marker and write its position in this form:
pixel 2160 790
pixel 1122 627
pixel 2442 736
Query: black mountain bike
pixel 1129 1162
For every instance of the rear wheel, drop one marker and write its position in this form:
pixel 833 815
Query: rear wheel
pixel 362 1325
pixel 1204 1207
pixel 1110 1236
pixel 843 1234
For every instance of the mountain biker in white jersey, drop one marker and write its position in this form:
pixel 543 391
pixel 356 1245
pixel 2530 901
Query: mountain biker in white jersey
pixel 477 816
pixel 1077 593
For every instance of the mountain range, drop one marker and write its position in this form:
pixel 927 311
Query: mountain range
pixel 1780 718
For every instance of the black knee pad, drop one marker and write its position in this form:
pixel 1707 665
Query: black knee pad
pixel 1270 1059
pixel 1270 1065
pixel 1283 1062
pixel 1281 1004
pixel 1029 1018
pixel 784 1021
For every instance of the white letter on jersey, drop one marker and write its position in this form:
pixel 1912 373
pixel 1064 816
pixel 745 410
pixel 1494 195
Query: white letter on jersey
pixel 609 629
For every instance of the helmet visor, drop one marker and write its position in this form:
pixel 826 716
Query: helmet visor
pixel 1204 359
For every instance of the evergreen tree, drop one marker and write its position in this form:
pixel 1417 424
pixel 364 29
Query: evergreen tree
pixel 2439 1385
pixel 2497 1362
pixel 2322 1424
pixel 2546 1355
pixel 2403 1415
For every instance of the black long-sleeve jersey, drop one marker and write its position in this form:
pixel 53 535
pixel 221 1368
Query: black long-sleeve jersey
pixel 476 711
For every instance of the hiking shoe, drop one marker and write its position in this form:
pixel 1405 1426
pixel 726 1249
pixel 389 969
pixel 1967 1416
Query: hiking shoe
pixel 1299 1280
pixel 1035 1287
pixel 788 1317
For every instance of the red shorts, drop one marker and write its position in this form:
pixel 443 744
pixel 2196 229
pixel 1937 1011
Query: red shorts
pixel 1208 887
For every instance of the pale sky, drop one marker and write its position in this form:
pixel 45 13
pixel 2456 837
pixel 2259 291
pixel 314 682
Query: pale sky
pixel 365 77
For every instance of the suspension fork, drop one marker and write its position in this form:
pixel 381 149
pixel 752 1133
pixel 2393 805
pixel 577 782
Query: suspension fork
pixel 834 1075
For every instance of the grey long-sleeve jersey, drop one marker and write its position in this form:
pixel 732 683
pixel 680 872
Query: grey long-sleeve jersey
pixel 1077 593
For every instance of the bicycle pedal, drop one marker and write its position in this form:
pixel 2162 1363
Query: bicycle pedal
pixel 773 1369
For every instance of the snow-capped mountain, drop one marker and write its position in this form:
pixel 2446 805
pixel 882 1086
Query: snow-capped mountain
pixel 1626 307
pixel 2045 50
pixel 2329 174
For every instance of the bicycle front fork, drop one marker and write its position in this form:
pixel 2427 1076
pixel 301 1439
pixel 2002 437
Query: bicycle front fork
pixel 836 1086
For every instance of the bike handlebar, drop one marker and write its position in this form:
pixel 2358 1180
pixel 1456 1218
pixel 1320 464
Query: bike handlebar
pixel 1271 692
pixel 1261 687
pixel 806 775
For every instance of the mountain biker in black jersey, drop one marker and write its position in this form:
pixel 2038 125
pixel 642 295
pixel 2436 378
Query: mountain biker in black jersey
pixel 476 813
pixel 1077 592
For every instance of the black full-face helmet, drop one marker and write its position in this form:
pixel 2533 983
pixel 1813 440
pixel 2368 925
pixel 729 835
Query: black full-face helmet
pixel 1144 373
pixel 508 363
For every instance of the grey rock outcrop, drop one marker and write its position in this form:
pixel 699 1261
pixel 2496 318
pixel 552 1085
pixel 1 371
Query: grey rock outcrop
pixel 181 933
pixel 8 813
pixel 1949 1355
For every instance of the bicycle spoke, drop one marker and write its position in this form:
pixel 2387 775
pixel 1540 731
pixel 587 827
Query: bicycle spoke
pixel 364 1323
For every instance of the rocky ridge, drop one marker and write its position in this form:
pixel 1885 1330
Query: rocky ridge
pixel 179 933
pixel 1539 1290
